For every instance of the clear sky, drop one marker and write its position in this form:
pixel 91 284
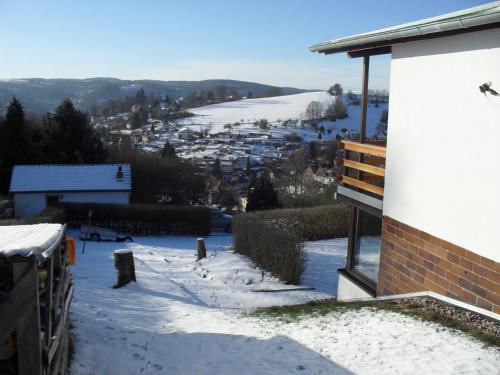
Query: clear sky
pixel 264 41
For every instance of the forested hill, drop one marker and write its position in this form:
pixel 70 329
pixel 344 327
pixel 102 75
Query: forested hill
pixel 41 95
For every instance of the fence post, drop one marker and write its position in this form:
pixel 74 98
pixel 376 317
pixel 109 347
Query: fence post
pixel 202 250
pixel 125 268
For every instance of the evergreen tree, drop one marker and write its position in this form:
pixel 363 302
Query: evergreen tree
pixel 261 194
pixel 135 121
pixel 168 151
pixel 69 138
pixel 312 150
pixel 217 172
pixel 15 142
pixel 140 97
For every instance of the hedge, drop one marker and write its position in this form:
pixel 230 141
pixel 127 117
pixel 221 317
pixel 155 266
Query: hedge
pixel 310 224
pixel 142 218
pixel 273 239
pixel 270 248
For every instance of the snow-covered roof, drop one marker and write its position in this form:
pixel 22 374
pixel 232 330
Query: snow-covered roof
pixel 466 20
pixel 65 177
pixel 27 240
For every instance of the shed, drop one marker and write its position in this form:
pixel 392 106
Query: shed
pixel 34 187
pixel 35 296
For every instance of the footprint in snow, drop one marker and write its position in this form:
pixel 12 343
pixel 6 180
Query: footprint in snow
pixel 156 367
pixel 138 357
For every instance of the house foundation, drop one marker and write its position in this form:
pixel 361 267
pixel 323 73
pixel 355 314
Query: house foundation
pixel 412 261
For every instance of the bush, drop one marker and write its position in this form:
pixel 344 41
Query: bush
pixel 310 224
pixel 142 218
pixel 272 239
pixel 269 247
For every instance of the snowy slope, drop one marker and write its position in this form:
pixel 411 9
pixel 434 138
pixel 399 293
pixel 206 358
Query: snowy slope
pixel 275 110
pixel 184 317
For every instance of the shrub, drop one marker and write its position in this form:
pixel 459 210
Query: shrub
pixel 269 247
pixel 310 224
pixel 142 218
pixel 272 239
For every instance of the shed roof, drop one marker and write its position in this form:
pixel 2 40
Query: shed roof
pixel 466 20
pixel 66 177
pixel 29 240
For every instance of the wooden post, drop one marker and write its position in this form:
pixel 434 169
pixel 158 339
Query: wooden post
pixel 125 268
pixel 202 250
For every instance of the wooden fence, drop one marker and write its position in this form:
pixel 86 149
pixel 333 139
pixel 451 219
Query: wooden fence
pixel 34 316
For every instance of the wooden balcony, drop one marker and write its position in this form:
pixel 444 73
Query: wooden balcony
pixel 364 166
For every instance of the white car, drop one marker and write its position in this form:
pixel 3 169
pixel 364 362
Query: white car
pixel 91 233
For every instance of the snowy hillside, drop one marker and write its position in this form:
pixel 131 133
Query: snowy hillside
pixel 275 110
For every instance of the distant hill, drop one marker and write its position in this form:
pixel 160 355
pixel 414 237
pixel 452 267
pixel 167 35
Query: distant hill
pixel 40 95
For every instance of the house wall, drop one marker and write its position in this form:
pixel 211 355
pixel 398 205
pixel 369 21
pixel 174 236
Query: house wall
pixel 119 197
pixel 30 204
pixel 412 260
pixel 443 140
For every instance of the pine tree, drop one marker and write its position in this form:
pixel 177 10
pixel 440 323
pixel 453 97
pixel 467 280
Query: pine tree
pixel 261 194
pixel 15 142
pixel 69 138
pixel 217 172
pixel 168 151
pixel 312 150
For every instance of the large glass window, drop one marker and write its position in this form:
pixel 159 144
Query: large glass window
pixel 366 254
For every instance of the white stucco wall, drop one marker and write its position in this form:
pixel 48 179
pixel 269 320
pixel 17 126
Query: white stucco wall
pixel 30 204
pixel 443 147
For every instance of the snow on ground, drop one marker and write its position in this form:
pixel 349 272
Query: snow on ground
pixel 324 258
pixel 276 110
pixel 184 317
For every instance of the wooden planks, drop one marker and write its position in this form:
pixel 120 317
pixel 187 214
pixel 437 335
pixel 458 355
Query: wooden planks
pixel 362 185
pixel 364 167
pixel 363 148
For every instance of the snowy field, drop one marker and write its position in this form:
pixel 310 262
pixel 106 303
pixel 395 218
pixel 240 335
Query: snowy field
pixel 276 110
pixel 185 317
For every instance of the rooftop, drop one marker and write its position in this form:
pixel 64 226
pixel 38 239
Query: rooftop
pixel 28 240
pixel 466 20
pixel 69 177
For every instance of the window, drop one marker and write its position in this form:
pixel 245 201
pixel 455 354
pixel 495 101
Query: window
pixel 365 256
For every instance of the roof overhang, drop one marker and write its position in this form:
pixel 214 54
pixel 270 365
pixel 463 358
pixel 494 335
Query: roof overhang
pixel 381 41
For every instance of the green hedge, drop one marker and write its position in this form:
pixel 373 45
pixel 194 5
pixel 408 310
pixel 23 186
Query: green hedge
pixel 270 248
pixel 273 239
pixel 142 218
pixel 310 224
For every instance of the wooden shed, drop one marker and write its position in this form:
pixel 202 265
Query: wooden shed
pixel 35 296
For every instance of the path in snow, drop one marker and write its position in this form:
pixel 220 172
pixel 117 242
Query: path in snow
pixel 184 317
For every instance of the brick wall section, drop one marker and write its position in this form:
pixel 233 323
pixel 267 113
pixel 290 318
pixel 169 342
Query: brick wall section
pixel 413 261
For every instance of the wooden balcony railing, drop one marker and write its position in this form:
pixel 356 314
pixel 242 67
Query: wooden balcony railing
pixel 368 171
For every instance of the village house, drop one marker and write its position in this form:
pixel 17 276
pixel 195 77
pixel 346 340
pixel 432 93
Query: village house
pixel 425 208
pixel 34 187
pixel 185 134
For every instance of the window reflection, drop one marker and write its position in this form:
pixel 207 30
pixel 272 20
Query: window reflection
pixel 367 245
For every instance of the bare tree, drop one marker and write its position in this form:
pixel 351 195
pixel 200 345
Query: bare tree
pixel 314 111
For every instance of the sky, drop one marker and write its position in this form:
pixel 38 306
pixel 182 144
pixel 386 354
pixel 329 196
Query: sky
pixel 263 41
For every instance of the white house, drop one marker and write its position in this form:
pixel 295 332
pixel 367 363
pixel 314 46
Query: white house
pixel 35 186
pixel 185 134
pixel 425 207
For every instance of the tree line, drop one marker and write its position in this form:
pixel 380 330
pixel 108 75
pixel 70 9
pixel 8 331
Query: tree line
pixel 67 137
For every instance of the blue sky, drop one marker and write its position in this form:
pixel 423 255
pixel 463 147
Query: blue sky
pixel 253 40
